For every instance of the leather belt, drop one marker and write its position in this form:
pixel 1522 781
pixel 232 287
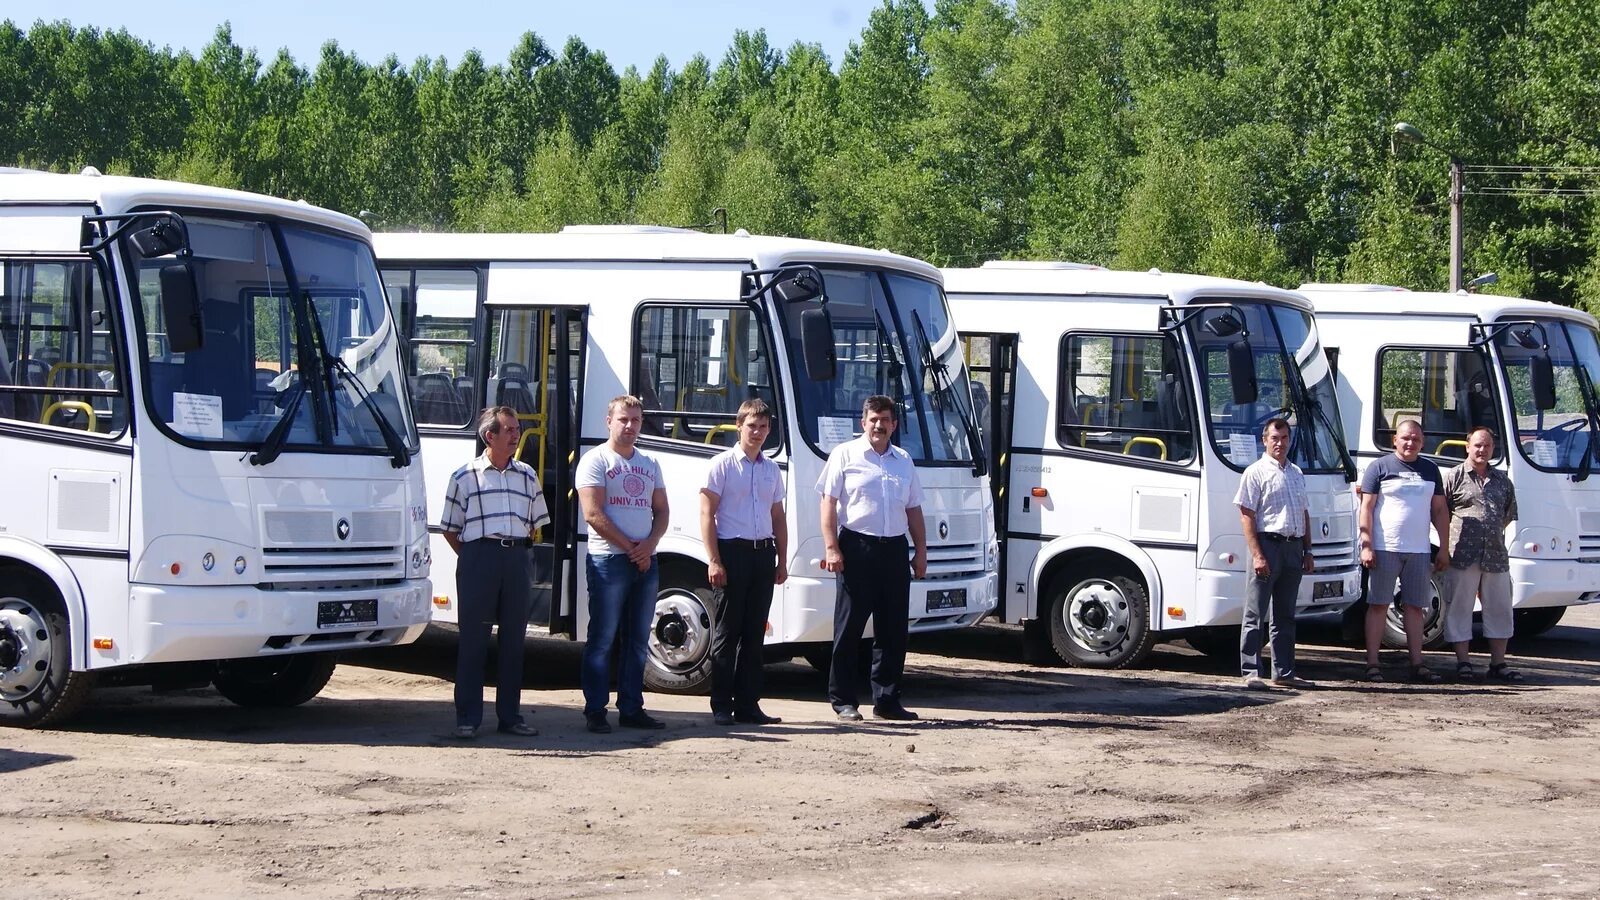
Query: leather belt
pixel 509 542
pixel 872 538
pixel 748 543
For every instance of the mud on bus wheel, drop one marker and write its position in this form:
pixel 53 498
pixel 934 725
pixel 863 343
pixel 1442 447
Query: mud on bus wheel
pixel 679 661
pixel 1099 621
pixel 37 684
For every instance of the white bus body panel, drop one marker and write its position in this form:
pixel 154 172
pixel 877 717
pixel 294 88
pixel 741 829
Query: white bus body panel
pixel 1178 526
pixel 1555 513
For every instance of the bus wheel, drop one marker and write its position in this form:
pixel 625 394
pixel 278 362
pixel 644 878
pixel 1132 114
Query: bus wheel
pixel 1531 622
pixel 274 680
pixel 1101 623
pixel 37 684
pixel 1217 642
pixel 1394 633
pixel 679 661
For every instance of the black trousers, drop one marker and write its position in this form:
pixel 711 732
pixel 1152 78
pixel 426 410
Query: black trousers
pixel 876 582
pixel 736 647
pixel 494 585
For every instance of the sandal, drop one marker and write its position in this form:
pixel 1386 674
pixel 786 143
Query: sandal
pixel 1424 675
pixel 1503 672
pixel 1465 672
pixel 1373 675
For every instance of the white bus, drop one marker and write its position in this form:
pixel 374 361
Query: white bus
pixel 211 468
pixel 1524 368
pixel 1120 409
pixel 555 325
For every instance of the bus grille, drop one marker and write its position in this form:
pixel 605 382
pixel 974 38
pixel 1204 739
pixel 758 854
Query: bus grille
pixel 322 546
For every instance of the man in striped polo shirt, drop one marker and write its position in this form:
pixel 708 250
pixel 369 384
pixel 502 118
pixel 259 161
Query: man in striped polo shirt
pixel 1277 528
pixel 491 508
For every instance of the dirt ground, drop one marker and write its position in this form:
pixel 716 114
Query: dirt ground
pixel 1020 782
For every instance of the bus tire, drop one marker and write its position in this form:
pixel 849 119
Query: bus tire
pixel 274 681
pixel 1100 622
pixel 1394 634
pixel 679 657
pixel 1219 642
pixel 1536 621
pixel 37 684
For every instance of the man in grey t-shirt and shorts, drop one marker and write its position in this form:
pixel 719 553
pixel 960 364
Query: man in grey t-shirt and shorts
pixel 1401 495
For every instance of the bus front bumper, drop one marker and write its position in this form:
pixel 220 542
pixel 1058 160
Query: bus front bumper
pixel 181 623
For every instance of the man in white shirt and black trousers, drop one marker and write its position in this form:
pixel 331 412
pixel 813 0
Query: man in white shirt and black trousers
pixel 491 508
pixel 871 503
pixel 747 540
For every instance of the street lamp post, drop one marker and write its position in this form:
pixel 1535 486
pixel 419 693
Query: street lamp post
pixel 1411 134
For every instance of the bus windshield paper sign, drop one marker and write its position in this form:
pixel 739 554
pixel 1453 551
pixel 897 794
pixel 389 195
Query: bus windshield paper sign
pixel 833 431
pixel 197 415
pixel 1242 449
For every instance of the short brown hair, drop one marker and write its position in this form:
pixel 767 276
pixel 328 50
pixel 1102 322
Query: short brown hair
pixel 1486 430
pixel 880 403
pixel 622 401
pixel 489 420
pixel 1276 422
pixel 753 408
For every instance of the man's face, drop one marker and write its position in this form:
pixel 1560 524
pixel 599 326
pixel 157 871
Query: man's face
pixel 878 426
pixel 1480 448
pixel 753 433
pixel 622 422
pixel 1277 441
pixel 504 441
pixel 1408 441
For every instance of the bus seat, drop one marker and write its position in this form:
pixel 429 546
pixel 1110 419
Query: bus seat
pixel 436 400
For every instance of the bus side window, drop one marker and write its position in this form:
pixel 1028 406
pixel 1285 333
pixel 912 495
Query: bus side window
pixel 438 310
pixel 59 359
pixel 1124 394
pixel 694 366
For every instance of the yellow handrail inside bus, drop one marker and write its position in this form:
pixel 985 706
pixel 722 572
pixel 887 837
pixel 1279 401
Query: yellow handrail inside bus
pixel 720 429
pixel 69 404
pixel 1141 439
pixel 1394 420
pixel 1443 444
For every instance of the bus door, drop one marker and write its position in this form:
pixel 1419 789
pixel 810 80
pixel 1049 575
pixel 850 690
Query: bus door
pixel 992 366
pixel 536 367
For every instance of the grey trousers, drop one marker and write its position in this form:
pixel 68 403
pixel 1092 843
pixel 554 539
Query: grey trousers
pixel 493 585
pixel 1269 608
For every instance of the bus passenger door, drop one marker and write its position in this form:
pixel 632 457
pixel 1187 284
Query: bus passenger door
pixel 536 368
pixel 992 366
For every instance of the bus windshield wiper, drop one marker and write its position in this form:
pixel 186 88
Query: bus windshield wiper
pixel 1586 389
pixel 398 452
pixel 272 447
pixel 941 382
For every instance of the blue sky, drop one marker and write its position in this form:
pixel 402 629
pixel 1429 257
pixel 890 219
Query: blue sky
pixel 629 32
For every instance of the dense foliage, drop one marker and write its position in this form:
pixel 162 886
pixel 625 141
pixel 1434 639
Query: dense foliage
pixel 1247 138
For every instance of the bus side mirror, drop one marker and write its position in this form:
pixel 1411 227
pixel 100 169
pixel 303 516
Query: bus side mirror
pixel 796 286
pixel 816 338
pixel 1543 376
pixel 160 239
pixel 180 308
pixel 1242 372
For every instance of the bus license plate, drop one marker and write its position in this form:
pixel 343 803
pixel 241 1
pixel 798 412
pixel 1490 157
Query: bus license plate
pixel 339 613
pixel 1325 590
pixel 956 599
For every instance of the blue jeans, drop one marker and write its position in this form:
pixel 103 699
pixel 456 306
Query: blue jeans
pixel 622 606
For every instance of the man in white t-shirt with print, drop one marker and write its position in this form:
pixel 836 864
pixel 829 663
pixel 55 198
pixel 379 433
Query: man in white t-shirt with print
pixel 625 507
pixel 1401 495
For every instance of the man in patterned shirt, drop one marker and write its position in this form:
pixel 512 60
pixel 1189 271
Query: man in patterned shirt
pixel 1482 503
pixel 491 508
pixel 1277 528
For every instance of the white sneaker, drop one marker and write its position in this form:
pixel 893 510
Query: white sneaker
pixel 1254 682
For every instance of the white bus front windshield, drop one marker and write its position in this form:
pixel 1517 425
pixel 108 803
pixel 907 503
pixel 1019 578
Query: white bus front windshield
pixel 1293 378
pixel 294 323
pixel 893 335
pixel 1555 439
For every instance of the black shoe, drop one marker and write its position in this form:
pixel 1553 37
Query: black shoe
pixel 848 713
pixel 894 712
pixel 596 722
pixel 755 717
pixel 723 717
pixel 640 719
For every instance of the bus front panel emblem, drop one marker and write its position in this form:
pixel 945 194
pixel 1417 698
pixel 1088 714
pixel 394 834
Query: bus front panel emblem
pixel 343 529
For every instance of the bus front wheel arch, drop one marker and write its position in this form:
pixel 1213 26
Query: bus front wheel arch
pixel 1099 619
pixel 37 684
